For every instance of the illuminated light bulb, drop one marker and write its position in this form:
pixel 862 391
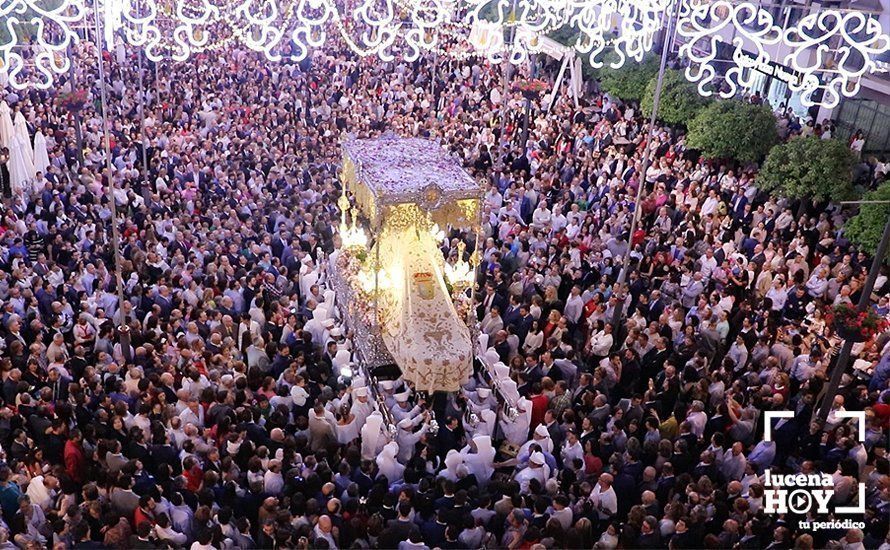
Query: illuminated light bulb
pixel 384 280
pixel 353 236
pixel 366 281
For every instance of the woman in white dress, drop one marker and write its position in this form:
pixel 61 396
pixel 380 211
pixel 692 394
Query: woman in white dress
pixel 534 339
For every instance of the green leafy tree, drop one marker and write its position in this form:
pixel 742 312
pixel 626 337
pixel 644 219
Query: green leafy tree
pixel 810 168
pixel 866 228
pixel 679 102
pixel 566 35
pixel 628 82
pixel 733 130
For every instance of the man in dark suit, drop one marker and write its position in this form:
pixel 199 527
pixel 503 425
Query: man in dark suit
pixel 512 313
pixel 449 436
pixel 501 346
pixel 738 202
pixel 523 324
pixel 489 299
pixel 548 367
pixel 653 361
pixel 278 246
pixel 58 384
pixel 433 530
pixel 650 535
pixel 656 306
pixel 178 244
pixel 665 483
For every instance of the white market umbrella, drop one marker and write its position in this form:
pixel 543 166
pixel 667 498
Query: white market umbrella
pixel 21 131
pixel 41 155
pixel 21 170
pixel 6 126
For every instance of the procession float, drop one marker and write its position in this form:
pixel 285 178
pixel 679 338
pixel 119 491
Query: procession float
pixel 406 303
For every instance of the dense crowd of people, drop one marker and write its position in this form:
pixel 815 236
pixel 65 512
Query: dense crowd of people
pixel 207 410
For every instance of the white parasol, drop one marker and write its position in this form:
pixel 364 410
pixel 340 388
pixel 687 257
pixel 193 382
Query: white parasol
pixel 6 127
pixel 21 170
pixel 21 131
pixel 41 155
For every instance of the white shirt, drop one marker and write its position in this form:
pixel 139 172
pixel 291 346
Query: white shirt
pixel 298 396
pixel 708 265
pixel 39 494
pixel 698 421
pixel 541 217
pixel 709 206
pixel 574 308
pixel 605 502
pixel 601 343
pixel 187 416
pixel 571 452
pixel 167 533
pixel 779 296
pixel 273 482
pixel 733 466
pixel 524 476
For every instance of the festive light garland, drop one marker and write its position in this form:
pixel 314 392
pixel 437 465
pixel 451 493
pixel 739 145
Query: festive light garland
pixel 861 41
pixel 828 50
pixel 703 23
pixel 53 33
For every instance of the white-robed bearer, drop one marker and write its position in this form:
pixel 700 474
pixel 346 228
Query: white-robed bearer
pixel 540 442
pixel 453 461
pixel 347 427
pixel 481 399
pixel 540 436
pixel 537 469
pixel 407 436
pixel 385 389
pixel 314 327
pixel 515 427
pixel 479 458
pixel 485 425
pixel 387 465
pixel 361 405
pixel 373 439
pixel 328 324
pixel 308 275
pixel 403 408
pixel 337 336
